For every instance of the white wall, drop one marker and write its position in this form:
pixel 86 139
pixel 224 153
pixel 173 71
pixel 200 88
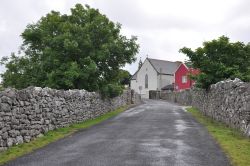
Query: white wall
pixel 133 84
pixel 146 68
pixel 164 80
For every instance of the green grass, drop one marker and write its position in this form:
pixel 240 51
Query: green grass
pixel 236 146
pixel 51 136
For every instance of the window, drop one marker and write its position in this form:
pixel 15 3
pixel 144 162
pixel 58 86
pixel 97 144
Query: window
pixel 146 81
pixel 184 79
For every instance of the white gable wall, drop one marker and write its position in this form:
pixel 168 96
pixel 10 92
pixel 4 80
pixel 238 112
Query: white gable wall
pixel 155 80
pixel 164 80
pixel 133 84
pixel 148 69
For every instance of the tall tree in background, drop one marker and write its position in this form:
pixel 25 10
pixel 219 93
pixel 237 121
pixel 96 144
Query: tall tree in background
pixel 83 50
pixel 219 60
pixel 124 77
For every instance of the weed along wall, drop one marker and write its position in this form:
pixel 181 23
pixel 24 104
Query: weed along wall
pixel 28 113
pixel 226 101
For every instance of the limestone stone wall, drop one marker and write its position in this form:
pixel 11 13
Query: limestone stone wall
pixel 29 113
pixel 226 101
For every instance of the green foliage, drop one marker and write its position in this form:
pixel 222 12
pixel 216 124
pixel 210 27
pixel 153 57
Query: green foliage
pixel 111 90
pixel 82 50
pixel 124 77
pixel 188 63
pixel 219 60
pixel 1 88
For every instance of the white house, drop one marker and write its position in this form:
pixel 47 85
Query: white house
pixel 153 75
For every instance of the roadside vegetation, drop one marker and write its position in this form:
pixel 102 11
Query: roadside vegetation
pixel 236 146
pixel 1 87
pixel 219 60
pixel 52 136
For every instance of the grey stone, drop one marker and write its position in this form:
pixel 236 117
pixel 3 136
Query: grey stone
pixel 14 133
pixel 27 138
pixel 5 135
pixel 1 125
pixel 19 140
pixel 5 107
pixel 24 132
pixel 6 99
pixel 21 103
pixel 10 142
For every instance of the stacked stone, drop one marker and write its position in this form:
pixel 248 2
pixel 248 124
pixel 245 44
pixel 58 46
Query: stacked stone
pixel 169 96
pixel 229 102
pixel 184 97
pixel 29 113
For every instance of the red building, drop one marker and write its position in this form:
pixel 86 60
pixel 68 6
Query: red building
pixel 182 80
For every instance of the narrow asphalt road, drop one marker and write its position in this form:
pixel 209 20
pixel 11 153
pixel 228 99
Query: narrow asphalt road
pixel 156 133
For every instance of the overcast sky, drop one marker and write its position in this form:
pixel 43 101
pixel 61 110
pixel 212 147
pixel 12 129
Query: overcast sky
pixel 162 26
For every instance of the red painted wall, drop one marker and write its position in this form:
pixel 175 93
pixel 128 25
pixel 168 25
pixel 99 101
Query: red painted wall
pixel 184 71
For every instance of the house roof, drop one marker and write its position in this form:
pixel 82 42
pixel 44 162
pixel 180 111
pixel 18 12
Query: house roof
pixel 134 77
pixel 164 67
pixel 182 64
pixel 161 67
pixel 191 70
pixel 168 87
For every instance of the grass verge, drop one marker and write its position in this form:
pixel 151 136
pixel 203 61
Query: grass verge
pixel 51 136
pixel 236 146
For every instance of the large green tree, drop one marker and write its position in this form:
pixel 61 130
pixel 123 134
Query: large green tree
pixel 82 50
pixel 220 59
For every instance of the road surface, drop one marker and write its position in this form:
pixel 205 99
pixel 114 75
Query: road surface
pixel 156 133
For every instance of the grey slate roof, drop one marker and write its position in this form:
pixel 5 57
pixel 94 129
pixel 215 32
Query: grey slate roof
pixel 161 66
pixel 134 77
pixel 164 67
pixel 168 87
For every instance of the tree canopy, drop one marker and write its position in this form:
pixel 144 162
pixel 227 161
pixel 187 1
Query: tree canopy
pixel 82 50
pixel 220 59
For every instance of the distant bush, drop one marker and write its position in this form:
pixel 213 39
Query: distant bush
pixel 1 88
pixel 111 90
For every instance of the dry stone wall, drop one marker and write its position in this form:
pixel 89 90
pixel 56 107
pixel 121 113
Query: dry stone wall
pixel 226 101
pixel 29 113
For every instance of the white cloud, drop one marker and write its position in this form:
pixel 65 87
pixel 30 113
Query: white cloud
pixel 56 5
pixel 3 27
pixel 162 26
